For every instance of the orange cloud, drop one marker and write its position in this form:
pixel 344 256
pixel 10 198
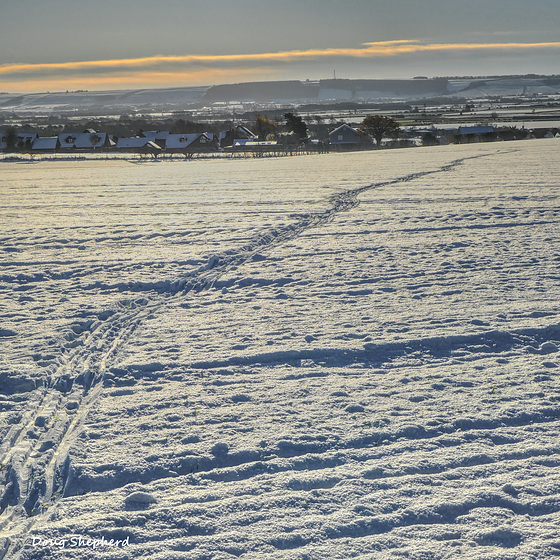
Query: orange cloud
pixel 207 68
pixel 132 80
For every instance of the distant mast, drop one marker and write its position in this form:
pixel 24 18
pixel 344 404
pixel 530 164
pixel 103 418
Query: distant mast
pixel 334 74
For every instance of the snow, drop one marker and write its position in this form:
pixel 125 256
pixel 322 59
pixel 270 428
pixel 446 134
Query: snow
pixel 82 140
pixel 331 356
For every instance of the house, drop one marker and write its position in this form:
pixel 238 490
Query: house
pixel 430 136
pixel 137 145
pixel 476 130
pixel 49 144
pixel 67 141
pixel 159 137
pixel 237 142
pixel 235 135
pixel 188 143
pixel 475 134
pixel 249 145
pixel 243 132
pixel 85 141
pixel 345 135
pixel 24 140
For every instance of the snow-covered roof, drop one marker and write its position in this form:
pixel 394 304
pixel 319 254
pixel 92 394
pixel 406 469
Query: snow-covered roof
pixel 181 141
pixel 154 135
pixel 245 130
pixel 238 130
pixel 250 142
pixel 88 140
pixel 27 136
pixel 21 137
pixel 241 141
pixel 343 128
pixel 47 143
pixel 67 140
pixel 136 143
pixel 475 129
pixel 82 140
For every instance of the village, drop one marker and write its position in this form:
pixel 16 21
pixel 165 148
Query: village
pixel 276 118
pixel 240 138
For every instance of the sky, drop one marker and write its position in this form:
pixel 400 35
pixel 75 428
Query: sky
pixel 58 45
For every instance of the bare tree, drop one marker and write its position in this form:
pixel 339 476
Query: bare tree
pixel 94 139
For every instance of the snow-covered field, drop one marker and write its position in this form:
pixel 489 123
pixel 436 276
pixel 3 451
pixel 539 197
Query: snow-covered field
pixel 324 357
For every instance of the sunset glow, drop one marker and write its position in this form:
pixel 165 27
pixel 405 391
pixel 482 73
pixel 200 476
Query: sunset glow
pixel 208 69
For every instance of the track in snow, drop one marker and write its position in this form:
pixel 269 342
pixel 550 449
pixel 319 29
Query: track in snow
pixel 34 454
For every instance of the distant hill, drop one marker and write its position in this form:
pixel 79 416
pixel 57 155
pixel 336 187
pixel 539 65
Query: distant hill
pixel 325 90
pixel 333 90
pixel 262 92
pixel 102 102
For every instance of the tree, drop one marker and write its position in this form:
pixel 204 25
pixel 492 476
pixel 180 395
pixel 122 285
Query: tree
pixel 181 126
pixel 296 125
pixel 430 139
pixel 94 139
pixel 264 128
pixel 11 139
pixel 378 126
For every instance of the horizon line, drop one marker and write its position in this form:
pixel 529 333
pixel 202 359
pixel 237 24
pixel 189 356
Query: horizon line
pixel 318 80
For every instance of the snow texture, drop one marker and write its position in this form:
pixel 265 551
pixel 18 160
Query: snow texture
pixel 324 357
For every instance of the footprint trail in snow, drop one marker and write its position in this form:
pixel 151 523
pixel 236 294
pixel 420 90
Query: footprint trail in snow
pixel 34 455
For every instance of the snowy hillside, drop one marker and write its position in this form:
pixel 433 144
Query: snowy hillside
pixel 502 86
pixel 324 357
pixel 282 92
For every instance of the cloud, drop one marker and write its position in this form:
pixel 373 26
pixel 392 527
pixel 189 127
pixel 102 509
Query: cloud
pixel 132 80
pixel 207 68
